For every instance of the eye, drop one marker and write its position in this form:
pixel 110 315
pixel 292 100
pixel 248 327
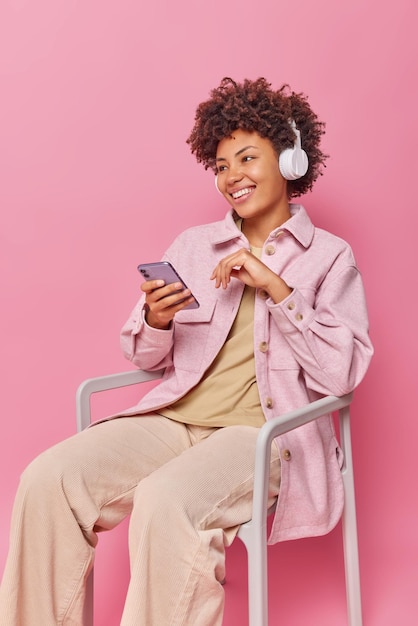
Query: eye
pixel 247 158
pixel 220 168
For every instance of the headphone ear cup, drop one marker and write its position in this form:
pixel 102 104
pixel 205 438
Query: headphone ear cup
pixel 293 163
pixel 216 185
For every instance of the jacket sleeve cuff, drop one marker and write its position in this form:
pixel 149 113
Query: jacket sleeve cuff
pixel 138 337
pixel 292 313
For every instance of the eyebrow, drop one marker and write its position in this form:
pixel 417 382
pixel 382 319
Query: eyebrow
pixel 238 153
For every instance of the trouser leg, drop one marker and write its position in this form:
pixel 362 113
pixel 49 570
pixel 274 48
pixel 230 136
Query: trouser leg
pixel 184 515
pixel 66 495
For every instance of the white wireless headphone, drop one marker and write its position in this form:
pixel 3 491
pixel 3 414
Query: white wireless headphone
pixel 293 162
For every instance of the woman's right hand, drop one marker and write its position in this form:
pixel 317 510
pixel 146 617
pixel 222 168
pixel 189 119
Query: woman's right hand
pixel 163 302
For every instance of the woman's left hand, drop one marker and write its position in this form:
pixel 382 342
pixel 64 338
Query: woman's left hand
pixel 246 267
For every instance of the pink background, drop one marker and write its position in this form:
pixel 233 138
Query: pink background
pixel 97 99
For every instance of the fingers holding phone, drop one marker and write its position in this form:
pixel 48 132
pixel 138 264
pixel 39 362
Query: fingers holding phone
pixel 166 293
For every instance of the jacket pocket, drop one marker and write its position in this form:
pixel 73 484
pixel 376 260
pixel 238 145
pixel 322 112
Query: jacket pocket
pixel 191 332
pixel 281 355
pixel 283 360
pixel 195 316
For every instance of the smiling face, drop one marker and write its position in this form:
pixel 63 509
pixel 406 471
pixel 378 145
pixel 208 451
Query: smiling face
pixel 249 177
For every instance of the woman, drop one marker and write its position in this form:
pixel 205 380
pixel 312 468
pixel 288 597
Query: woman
pixel 282 321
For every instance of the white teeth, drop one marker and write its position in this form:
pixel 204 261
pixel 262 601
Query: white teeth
pixel 241 192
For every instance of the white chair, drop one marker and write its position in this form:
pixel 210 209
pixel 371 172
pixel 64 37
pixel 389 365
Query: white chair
pixel 254 532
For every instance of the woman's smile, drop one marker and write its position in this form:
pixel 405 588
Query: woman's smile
pixel 242 194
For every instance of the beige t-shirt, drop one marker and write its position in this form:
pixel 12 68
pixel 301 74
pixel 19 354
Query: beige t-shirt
pixel 228 392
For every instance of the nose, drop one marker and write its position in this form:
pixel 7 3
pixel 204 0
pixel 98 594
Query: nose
pixel 234 174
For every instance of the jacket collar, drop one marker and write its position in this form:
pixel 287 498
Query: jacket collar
pixel 298 225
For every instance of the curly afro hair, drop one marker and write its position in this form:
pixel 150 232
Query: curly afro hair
pixel 255 106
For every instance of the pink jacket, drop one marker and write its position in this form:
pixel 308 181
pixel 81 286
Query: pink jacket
pixel 313 343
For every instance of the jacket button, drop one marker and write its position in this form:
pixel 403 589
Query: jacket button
pixel 291 306
pixel 299 317
pixel 263 346
pixel 287 455
pixel 277 233
pixel 270 250
pixel 269 403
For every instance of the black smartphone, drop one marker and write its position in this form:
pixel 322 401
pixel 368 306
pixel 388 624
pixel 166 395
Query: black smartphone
pixel 165 271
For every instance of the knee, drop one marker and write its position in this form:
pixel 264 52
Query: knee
pixel 152 494
pixel 157 500
pixel 42 474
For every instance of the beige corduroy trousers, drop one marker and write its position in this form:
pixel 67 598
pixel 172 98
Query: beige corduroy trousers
pixel 187 489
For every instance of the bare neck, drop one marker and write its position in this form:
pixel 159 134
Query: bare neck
pixel 258 229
